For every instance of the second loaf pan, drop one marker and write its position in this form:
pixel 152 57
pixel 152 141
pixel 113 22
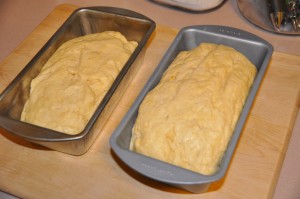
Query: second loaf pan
pixel 257 50
pixel 83 21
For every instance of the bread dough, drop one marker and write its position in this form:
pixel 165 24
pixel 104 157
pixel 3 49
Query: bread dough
pixel 189 117
pixel 75 79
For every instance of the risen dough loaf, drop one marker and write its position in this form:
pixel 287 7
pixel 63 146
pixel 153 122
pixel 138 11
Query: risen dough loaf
pixel 74 80
pixel 188 118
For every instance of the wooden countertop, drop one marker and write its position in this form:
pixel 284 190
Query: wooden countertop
pixel 30 171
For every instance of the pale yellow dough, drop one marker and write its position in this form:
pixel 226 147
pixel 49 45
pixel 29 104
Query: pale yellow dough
pixel 75 79
pixel 189 117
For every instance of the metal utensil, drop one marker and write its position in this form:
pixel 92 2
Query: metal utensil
pixel 276 10
pixel 259 13
pixel 284 14
pixel 293 13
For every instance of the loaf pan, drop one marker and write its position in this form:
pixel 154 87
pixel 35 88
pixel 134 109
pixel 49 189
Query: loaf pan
pixel 82 21
pixel 257 50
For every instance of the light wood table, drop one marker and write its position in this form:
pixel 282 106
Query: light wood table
pixel 30 171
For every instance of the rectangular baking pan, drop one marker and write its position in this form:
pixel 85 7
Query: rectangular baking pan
pixel 82 21
pixel 257 50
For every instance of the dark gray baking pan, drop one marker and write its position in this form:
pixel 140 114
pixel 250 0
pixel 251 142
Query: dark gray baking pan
pixel 257 50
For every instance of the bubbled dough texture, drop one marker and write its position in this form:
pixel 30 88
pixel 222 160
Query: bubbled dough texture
pixel 75 79
pixel 188 118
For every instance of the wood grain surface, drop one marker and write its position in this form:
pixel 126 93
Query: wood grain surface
pixel 31 171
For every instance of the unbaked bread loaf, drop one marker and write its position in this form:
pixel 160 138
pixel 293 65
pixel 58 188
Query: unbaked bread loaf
pixel 189 117
pixel 75 79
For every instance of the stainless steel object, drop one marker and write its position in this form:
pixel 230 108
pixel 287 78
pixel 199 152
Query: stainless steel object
pixel 276 9
pixel 257 50
pixel 132 25
pixel 276 19
pixel 293 14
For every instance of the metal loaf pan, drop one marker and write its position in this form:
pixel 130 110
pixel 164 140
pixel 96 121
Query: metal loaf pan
pixel 82 21
pixel 258 52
